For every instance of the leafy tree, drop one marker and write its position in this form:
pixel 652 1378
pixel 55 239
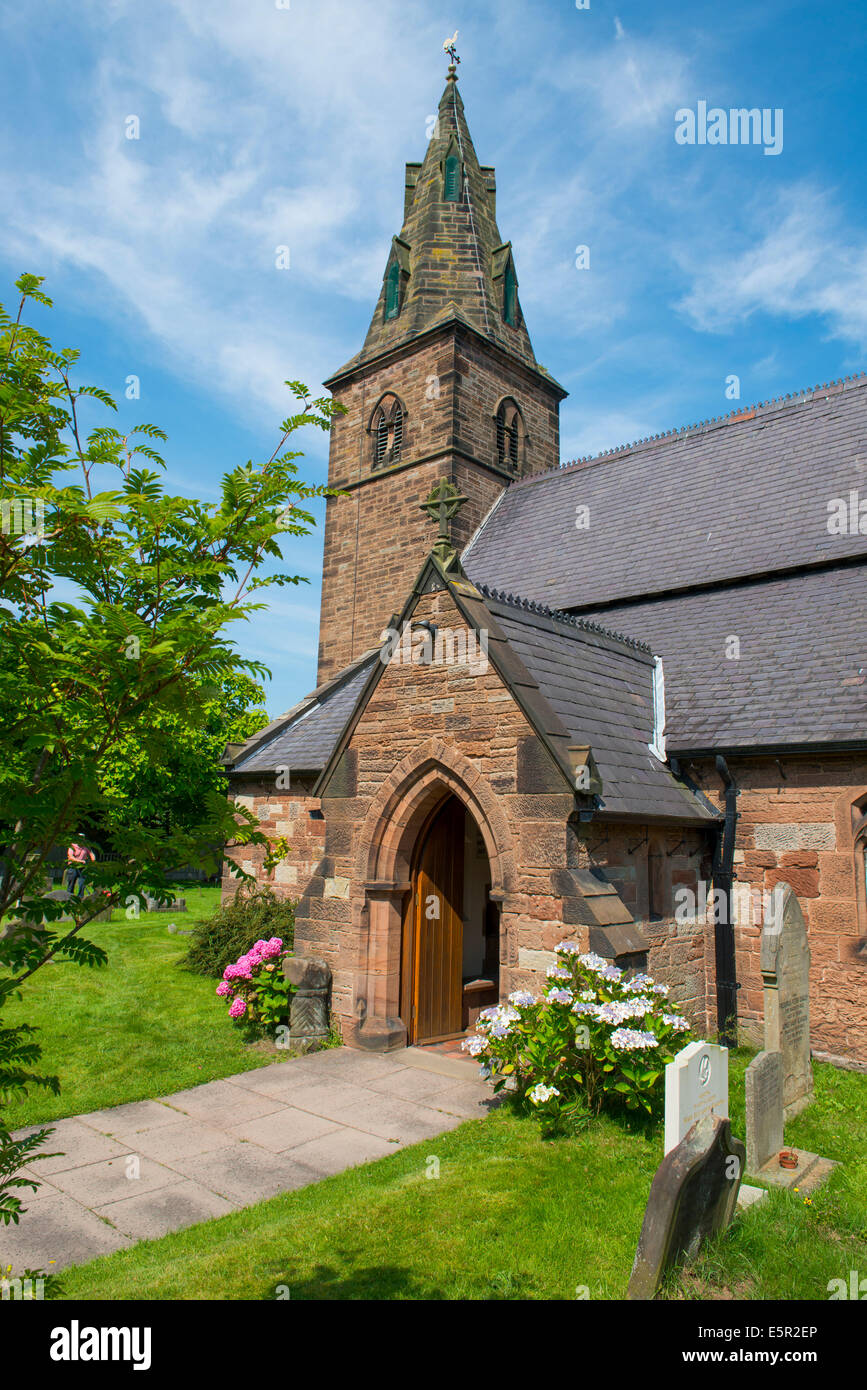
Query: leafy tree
pixel 116 601
pixel 166 779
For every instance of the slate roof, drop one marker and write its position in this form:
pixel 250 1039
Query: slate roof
pixel 303 738
pixel 600 687
pixel 801 676
pixel 747 495
pixel 713 532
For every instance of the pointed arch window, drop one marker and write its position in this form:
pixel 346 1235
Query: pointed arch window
pixel 387 429
pixel 452 178
pixel 511 436
pixel 510 295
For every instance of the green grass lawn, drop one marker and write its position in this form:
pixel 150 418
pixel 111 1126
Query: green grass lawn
pixel 137 1027
pixel 510 1217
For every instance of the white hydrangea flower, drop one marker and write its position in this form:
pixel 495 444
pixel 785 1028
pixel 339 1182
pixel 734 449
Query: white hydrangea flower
pixel 540 1093
pixel 558 972
pixel 641 1006
pixel 632 1039
pixel 680 1025
pixel 523 999
pixel 638 983
pixel 610 972
pixel 592 962
pixel 560 996
pixel 587 1009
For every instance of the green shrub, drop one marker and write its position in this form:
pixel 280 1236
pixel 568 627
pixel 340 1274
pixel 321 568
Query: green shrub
pixel 595 1038
pixel 254 914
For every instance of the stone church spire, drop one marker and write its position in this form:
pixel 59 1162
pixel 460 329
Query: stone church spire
pixel 449 261
pixel 445 392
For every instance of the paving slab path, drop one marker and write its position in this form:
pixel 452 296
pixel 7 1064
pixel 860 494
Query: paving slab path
pixel 137 1171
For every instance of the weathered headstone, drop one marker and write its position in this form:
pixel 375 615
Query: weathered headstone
pixel 785 962
pixel 764 1107
pixel 170 905
pixel 696 1085
pixel 308 1007
pixel 692 1196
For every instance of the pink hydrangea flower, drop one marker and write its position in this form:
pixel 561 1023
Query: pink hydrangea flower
pixel 237 1009
pixel 271 948
pixel 224 988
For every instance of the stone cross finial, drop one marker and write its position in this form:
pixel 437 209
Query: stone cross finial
pixel 442 504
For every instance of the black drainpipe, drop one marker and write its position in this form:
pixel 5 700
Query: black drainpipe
pixel 724 931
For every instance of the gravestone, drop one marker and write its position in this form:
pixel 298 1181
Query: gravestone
pixel 696 1085
pixel 308 1006
pixel 692 1196
pixel 764 1106
pixel 785 962
pixel 171 905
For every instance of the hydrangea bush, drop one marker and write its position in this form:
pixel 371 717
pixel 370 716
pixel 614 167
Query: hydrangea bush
pixel 257 988
pixel 594 1038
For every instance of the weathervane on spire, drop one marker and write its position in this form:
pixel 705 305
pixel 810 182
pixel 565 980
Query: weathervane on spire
pixel 449 48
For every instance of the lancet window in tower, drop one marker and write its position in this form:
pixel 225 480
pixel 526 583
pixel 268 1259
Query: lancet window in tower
pixel 510 436
pixel 387 430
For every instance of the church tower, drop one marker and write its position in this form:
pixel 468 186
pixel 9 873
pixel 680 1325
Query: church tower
pixel 445 386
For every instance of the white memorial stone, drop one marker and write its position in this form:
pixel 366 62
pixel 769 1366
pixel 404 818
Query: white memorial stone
pixel 696 1086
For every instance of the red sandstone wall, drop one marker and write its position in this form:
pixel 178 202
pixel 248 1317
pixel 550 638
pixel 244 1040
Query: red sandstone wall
pixel 477 718
pixel 280 813
pixel 646 868
pixel 376 538
pixel 797 828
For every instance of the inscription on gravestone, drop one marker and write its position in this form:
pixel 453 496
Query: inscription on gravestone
pixel 696 1086
pixel 785 961
pixel 764 1109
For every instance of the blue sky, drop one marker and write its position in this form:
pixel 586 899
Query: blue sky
pixel 263 126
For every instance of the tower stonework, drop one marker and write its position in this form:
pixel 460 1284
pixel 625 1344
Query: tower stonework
pixel 445 386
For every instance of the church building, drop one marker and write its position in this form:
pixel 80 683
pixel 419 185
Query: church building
pixel 615 700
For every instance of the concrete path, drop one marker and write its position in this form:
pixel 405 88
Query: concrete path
pixel 139 1170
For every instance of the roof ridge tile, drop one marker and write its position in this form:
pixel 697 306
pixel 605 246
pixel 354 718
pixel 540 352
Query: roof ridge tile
pixel 742 413
pixel 559 616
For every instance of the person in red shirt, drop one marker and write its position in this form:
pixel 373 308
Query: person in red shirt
pixel 76 857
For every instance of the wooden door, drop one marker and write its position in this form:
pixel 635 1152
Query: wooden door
pixel 435 973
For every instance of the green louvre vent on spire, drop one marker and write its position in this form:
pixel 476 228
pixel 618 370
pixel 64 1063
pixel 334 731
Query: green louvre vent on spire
pixel 392 291
pixel 510 295
pixel 452 181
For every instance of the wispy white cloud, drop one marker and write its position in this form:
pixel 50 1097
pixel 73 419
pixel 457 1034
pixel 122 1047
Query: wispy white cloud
pixel 798 260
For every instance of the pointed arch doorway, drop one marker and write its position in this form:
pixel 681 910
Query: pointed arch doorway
pixel 450 931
